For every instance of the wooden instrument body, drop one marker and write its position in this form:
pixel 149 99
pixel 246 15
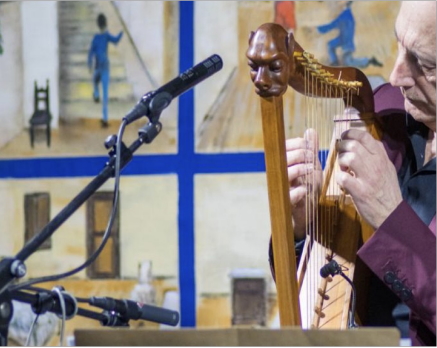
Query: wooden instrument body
pixel 277 61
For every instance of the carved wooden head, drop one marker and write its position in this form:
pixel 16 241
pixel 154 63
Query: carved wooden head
pixel 270 56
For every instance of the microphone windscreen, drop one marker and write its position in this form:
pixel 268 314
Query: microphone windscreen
pixel 330 268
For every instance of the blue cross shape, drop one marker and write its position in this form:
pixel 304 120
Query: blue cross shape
pixel 185 163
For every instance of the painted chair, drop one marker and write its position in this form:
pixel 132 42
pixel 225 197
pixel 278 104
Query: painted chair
pixel 41 115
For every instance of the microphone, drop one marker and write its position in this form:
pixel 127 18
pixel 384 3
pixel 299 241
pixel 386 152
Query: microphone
pixel 331 269
pixel 134 310
pixel 151 104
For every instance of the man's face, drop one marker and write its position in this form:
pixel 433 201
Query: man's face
pixel 268 61
pixel 415 67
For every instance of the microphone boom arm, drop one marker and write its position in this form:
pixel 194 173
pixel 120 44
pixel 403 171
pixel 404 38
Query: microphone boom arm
pixel 153 103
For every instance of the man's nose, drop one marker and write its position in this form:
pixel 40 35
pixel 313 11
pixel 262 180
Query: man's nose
pixel 262 79
pixel 403 73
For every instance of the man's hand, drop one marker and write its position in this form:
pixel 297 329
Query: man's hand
pixel 367 174
pixel 305 177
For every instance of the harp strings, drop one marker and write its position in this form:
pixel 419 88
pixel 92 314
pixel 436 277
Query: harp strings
pixel 332 103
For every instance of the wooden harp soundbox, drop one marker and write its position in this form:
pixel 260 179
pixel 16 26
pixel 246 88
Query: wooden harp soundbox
pixel 335 229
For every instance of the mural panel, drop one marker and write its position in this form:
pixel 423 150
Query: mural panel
pixel 97 61
pixel 195 205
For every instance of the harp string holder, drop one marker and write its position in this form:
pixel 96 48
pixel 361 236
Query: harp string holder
pixel 313 67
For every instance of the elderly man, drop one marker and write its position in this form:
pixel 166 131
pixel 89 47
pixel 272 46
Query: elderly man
pixel 393 182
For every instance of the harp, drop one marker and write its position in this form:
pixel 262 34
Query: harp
pixel 335 230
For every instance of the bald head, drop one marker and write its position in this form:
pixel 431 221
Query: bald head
pixel 415 68
pixel 419 16
pixel 416 27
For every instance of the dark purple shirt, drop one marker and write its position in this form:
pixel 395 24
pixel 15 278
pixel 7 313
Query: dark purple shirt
pixel 402 252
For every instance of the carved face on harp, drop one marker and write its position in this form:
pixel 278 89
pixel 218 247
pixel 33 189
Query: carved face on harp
pixel 270 59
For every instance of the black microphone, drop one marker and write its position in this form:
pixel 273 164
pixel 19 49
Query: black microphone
pixel 331 269
pixel 151 104
pixel 135 310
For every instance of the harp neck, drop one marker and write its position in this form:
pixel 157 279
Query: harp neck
pixel 313 79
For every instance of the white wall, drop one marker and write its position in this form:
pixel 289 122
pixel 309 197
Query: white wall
pixel 143 18
pixel 216 25
pixel 148 224
pixel 40 53
pixel 232 228
pixel 153 29
pixel 11 85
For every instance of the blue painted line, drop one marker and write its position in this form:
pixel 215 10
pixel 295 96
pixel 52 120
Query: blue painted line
pixel 75 167
pixel 323 157
pixel 229 163
pixel 187 273
pixel 51 167
pixel 81 167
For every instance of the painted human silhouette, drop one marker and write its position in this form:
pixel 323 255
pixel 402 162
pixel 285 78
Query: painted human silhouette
pixel 345 23
pixel 98 54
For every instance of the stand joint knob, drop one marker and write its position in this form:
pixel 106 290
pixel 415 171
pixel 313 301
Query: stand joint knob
pixel 18 269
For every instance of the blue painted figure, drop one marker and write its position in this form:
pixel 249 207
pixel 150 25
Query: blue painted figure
pixel 345 23
pixel 99 54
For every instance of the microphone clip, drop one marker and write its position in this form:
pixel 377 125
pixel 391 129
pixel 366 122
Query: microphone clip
pixel 51 301
pixel 332 268
pixel 157 103
pixel 149 131
pixel 114 319
pixel 150 105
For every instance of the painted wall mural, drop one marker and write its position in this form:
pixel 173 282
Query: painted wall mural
pixel 194 202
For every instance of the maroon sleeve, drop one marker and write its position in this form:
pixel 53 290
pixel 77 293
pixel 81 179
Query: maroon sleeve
pixel 402 253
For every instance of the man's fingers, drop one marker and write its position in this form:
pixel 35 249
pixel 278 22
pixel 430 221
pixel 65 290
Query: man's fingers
pixel 295 144
pixel 347 160
pixel 309 141
pixel 297 195
pixel 347 181
pixel 312 140
pixel 354 136
pixel 299 156
pixel 299 170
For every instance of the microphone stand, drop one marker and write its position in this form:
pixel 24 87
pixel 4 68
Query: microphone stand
pixel 12 268
pixel 43 302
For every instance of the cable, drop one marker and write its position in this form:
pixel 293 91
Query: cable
pixel 64 314
pixel 31 330
pixel 107 233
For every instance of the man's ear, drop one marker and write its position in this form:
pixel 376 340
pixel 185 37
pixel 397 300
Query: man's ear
pixel 252 33
pixel 290 52
pixel 290 44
